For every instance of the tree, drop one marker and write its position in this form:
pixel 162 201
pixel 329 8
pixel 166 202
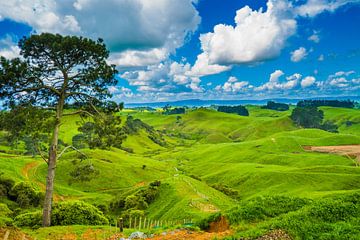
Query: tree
pixel 307 117
pixel 55 70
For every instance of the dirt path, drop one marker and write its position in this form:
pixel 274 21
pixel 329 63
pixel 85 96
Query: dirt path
pixel 26 172
pixel 352 151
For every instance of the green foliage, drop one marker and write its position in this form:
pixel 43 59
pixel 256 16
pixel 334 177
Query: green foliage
pixel 330 103
pixel 312 117
pixel 84 172
pixel 276 106
pixel 265 207
pixel 4 210
pixel 168 110
pixel 307 117
pixel 27 123
pixel 103 132
pixel 6 184
pixel 226 190
pixel 138 200
pixel 30 219
pixel 26 195
pixel 204 223
pixel 65 213
pixel 240 110
pixel 77 212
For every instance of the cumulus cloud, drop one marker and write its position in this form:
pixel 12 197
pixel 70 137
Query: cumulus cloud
pixel 274 83
pixel 258 35
pixel 164 77
pixel 321 58
pixel 308 81
pixel 233 85
pixel 202 67
pixel 299 54
pixel 314 7
pixel 157 27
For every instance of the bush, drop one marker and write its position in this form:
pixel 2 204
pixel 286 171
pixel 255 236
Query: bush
pixel 6 222
pixel 6 184
pixel 265 207
pixel 30 219
pixel 4 210
pixel 25 195
pixel 226 190
pixel 81 213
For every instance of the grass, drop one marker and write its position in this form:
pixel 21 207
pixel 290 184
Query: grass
pixel 259 155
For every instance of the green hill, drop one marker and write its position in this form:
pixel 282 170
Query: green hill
pixel 199 157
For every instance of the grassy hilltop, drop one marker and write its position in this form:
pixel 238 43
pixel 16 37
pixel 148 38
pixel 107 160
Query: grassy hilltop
pixel 210 162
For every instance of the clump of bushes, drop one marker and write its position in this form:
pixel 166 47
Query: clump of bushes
pixel 6 184
pixel 265 207
pixel 84 173
pixel 136 202
pixel 25 195
pixel 65 213
pixel 226 190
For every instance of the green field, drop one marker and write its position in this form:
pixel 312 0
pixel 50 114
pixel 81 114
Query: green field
pixel 255 156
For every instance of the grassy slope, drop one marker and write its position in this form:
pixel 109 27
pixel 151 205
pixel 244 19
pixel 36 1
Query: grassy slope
pixel 257 155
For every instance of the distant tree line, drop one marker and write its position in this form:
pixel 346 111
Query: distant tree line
pixel 330 103
pixel 240 110
pixel 276 106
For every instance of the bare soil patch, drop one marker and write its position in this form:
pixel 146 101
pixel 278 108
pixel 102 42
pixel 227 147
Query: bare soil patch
pixel 350 150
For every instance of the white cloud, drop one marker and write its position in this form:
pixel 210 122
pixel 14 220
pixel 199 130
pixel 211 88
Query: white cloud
pixel 314 37
pixel 274 83
pixel 8 48
pixel 156 27
pixel 321 58
pixel 314 7
pixel 308 81
pixel 233 85
pixel 202 67
pixel 257 36
pixel 298 54
pixel 167 76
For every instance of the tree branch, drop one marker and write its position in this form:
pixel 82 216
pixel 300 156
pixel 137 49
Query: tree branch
pixel 71 146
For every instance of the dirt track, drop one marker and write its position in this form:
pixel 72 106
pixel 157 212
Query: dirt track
pixel 349 150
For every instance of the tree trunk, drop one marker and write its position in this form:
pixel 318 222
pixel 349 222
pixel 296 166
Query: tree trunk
pixel 52 166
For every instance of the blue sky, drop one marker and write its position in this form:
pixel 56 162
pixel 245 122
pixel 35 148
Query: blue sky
pixel 207 49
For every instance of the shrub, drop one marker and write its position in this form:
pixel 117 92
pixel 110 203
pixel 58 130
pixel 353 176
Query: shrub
pixel 226 190
pixel 81 213
pixel 5 221
pixel 25 195
pixel 4 210
pixel 265 207
pixel 30 219
pixel 6 184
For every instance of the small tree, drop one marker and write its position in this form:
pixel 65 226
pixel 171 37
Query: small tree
pixel 55 70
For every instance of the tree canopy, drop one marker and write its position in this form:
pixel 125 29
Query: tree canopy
pixel 53 71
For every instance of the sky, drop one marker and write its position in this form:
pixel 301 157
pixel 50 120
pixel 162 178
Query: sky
pixel 167 50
